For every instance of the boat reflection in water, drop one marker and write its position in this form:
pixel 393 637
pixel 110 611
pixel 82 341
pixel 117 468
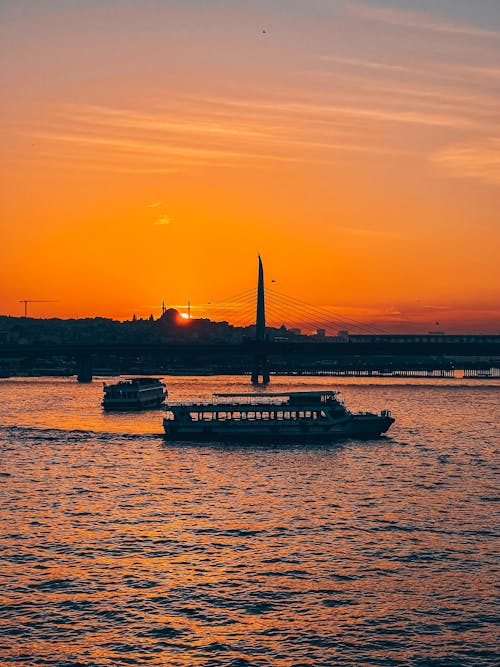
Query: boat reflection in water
pixel 292 416
pixel 134 394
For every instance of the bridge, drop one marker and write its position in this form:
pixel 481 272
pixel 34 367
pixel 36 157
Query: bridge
pixel 265 358
pixel 261 356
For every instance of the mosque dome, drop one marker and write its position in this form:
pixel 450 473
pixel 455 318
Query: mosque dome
pixel 170 316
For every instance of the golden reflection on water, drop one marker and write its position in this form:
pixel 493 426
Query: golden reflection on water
pixel 121 548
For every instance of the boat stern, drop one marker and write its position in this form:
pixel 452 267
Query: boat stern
pixel 386 420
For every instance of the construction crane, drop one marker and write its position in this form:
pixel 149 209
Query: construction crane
pixel 26 301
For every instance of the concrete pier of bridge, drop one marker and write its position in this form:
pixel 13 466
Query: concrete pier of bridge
pixel 84 364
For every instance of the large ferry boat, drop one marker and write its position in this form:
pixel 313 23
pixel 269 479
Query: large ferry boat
pixel 134 394
pixel 275 417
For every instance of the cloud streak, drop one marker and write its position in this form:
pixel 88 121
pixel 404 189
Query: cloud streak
pixel 374 233
pixel 378 113
pixel 164 219
pixel 370 106
pixel 418 21
pixel 478 160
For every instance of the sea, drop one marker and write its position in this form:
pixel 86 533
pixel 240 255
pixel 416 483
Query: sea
pixel 119 547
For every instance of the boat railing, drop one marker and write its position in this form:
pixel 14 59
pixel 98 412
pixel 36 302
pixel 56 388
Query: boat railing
pixel 250 400
pixel 215 403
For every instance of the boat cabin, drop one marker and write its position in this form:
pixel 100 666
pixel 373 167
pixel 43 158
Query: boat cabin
pixel 303 407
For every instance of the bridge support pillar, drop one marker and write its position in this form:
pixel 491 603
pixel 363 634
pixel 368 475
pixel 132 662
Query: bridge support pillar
pixel 84 368
pixel 260 368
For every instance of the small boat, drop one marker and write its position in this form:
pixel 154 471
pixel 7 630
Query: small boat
pixel 286 417
pixel 134 394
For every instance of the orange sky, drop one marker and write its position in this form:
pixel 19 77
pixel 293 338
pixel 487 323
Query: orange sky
pixel 150 149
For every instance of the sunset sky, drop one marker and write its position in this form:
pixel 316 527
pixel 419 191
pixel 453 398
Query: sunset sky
pixel 151 148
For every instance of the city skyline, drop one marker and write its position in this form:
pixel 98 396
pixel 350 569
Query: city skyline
pixel 151 150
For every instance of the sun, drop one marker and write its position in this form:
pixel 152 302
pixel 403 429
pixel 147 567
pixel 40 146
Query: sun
pixel 185 316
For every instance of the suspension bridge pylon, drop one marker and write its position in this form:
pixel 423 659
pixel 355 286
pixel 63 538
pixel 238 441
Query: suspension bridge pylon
pixel 260 366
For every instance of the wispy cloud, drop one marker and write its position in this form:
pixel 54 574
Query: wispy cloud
pixel 261 128
pixel 443 81
pixel 183 154
pixel 369 64
pixel 435 307
pixel 155 204
pixel 286 133
pixel 477 159
pixel 164 219
pixel 163 122
pixel 418 21
pixel 488 72
pixel 377 113
pixel 374 233
pixel 138 145
pixel 289 132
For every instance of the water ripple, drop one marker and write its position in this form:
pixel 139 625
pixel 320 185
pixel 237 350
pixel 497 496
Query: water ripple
pixel 119 548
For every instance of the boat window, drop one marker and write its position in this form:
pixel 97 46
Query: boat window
pixel 194 416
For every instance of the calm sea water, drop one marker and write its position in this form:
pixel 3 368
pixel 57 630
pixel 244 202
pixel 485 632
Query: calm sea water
pixel 120 548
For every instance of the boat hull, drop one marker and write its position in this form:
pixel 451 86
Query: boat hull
pixel 142 403
pixel 362 427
